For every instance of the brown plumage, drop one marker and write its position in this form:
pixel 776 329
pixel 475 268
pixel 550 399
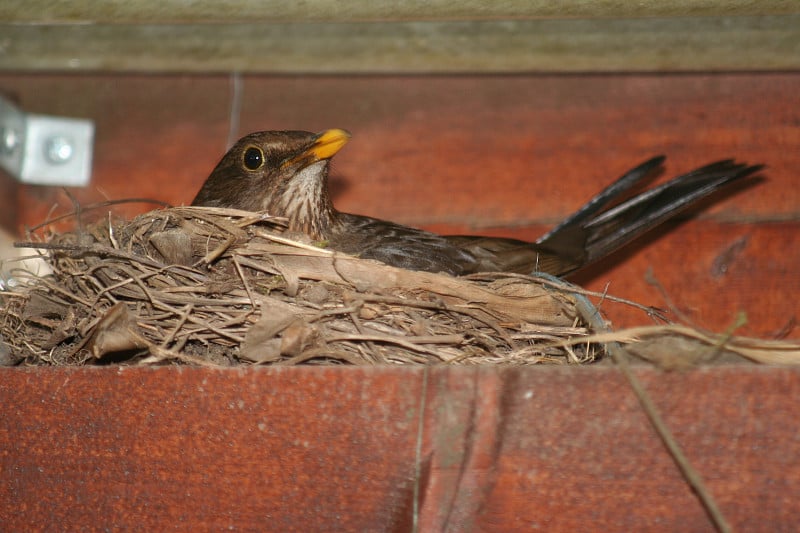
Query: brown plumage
pixel 285 173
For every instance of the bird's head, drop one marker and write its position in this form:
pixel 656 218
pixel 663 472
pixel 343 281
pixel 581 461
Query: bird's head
pixel 281 172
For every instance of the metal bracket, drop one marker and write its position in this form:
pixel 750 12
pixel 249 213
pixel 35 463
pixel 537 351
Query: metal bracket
pixel 43 149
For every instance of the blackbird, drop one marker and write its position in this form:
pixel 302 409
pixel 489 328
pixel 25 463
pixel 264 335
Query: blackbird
pixel 285 173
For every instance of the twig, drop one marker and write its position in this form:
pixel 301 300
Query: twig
pixel 441 306
pixel 410 343
pixel 244 280
pixel 215 254
pixel 353 314
pixel 88 207
pixel 557 283
pixel 689 473
pixel 182 318
pixel 293 243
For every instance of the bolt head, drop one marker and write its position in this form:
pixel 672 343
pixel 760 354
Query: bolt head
pixel 9 140
pixel 59 150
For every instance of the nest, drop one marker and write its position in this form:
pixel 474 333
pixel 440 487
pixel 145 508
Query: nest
pixel 226 287
pixel 210 286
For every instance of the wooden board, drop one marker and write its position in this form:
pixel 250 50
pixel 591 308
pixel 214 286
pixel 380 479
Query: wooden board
pixel 239 11
pixel 514 45
pixel 382 449
pixel 410 37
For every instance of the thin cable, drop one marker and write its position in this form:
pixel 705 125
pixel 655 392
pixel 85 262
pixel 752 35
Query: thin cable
pixel 234 118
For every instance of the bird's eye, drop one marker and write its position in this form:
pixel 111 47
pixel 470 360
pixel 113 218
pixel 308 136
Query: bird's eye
pixel 253 158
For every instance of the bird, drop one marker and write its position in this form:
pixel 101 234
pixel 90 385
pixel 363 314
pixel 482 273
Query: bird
pixel 285 173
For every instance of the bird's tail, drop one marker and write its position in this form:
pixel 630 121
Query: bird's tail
pixel 609 221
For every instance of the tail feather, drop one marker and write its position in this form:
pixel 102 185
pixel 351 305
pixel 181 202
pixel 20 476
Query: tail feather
pixel 608 195
pixel 596 229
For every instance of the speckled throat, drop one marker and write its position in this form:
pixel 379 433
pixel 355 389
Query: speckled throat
pixel 303 199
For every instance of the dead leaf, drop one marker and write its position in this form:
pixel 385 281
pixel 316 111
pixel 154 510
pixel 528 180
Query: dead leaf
pixel 175 246
pixel 115 332
pixel 261 343
pixel 298 336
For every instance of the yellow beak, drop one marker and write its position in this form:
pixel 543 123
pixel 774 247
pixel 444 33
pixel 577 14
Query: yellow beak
pixel 326 145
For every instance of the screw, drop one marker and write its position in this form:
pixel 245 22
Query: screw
pixel 58 150
pixel 9 140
